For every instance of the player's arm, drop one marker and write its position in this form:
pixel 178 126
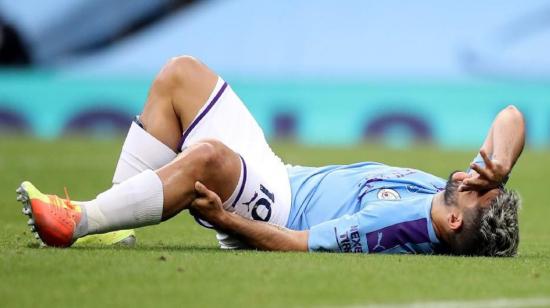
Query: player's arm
pixel 500 151
pixel 257 234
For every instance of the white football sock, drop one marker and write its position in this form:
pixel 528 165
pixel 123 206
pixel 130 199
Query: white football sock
pixel 134 203
pixel 141 151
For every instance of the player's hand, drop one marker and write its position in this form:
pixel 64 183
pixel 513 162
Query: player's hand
pixel 483 179
pixel 207 204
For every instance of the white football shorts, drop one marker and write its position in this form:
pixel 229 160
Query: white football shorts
pixel 263 190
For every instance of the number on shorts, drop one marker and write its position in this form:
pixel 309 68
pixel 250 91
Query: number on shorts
pixel 262 208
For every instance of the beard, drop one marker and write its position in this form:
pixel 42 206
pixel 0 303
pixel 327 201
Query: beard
pixel 451 190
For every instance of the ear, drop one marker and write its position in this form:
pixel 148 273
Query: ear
pixel 454 220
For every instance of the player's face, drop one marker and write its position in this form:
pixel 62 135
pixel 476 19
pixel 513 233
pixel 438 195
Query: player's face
pixel 467 198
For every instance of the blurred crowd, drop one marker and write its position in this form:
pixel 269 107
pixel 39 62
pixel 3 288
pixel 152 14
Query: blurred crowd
pixel 282 38
pixel 42 32
pixel 392 69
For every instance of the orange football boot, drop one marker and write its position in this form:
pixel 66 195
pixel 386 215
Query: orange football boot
pixel 52 218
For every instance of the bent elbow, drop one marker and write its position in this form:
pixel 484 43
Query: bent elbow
pixel 514 112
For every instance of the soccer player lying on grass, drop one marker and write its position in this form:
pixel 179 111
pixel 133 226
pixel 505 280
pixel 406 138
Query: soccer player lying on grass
pixel 196 147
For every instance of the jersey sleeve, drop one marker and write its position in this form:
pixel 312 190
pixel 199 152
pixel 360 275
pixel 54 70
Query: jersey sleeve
pixel 478 160
pixel 381 227
pixel 337 235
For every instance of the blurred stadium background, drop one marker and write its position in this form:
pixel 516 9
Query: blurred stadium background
pixel 329 81
pixel 313 72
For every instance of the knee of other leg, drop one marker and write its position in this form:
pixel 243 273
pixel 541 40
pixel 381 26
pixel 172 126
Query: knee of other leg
pixel 211 156
pixel 183 67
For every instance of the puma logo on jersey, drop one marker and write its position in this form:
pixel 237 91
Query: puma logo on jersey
pixel 378 246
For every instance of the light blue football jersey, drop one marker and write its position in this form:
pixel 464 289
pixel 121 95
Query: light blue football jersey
pixel 365 207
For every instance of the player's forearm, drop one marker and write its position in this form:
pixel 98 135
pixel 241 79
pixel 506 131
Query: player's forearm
pixel 262 235
pixel 508 137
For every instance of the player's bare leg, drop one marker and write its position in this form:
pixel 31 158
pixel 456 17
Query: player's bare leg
pixel 177 94
pixel 209 162
pixel 142 200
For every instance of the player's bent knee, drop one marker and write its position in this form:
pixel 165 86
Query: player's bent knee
pixel 218 155
pixel 177 73
pixel 212 158
pixel 220 167
pixel 183 67
pixel 210 155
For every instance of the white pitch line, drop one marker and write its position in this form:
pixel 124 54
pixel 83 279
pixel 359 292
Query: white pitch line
pixel 488 303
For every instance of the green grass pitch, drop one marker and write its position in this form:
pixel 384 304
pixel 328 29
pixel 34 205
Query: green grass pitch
pixel 178 263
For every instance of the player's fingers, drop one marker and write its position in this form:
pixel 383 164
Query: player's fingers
pixel 486 159
pixel 482 171
pixel 202 190
pixel 200 202
pixel 459 176
pixel 475 184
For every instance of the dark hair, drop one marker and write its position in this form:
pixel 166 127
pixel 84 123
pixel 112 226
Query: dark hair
pixel 492 231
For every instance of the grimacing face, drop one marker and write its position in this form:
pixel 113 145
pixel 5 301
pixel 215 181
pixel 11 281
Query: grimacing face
pixel 466 199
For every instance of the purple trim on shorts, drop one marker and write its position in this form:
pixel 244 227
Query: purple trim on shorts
pixel 201 115
pixel 202 222
pixel 242 184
